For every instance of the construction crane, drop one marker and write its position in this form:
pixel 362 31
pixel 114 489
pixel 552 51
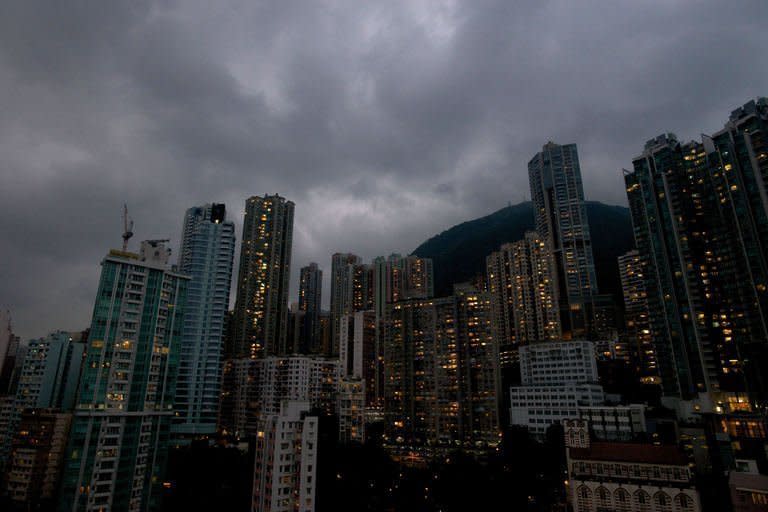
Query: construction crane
pixel 127 227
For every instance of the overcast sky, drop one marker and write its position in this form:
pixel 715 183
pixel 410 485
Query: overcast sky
pixel 385 122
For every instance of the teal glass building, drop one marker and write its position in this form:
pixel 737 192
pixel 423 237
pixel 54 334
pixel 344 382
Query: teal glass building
pixel 119 439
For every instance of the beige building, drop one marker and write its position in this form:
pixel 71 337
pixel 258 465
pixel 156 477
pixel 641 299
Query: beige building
pixel 626 477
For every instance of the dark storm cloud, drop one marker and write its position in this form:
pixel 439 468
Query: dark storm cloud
pixel 385 122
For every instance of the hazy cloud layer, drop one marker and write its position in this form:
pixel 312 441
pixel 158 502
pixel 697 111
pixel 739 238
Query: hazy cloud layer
pixel 386 122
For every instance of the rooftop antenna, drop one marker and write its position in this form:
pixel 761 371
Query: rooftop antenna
pixel 127 227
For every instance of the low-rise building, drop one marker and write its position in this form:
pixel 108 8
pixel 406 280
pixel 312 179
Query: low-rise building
pixel 626 477
pixel 749 491
pixel 614 423
pixel 538 407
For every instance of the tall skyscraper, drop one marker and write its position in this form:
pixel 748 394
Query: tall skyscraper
pixel 561 222
pixel 418 277
pixel 342 292
pixel 638 329
pixel 50 373
pixel 441 371
pixel 48 378
pixel 206 253
pixel 6 335
pixel 310 303
pixel 261 308
pixel 521 283
pixel 359 356
pixel 738 157
pixel 701 242
pixel 119 439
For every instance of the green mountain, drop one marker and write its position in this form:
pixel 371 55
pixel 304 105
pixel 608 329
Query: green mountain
pixel 459 252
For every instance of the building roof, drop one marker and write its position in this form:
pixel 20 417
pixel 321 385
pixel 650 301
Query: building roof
pixel 748 481
pixel 629 452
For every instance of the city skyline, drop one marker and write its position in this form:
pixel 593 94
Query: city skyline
pixel 420 110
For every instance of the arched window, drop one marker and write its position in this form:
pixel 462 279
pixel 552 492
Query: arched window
pixel 662 502
pixel 642 501
pixel 583 499
pixel 683 503
pixel 622 501
pixel 603 499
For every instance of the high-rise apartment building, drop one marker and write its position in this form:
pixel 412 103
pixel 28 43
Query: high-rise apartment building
pixel 119 439
pixel 418 277
pixel 50 374
pixel 6 337
pixel 738 158
pixel 257 387
pixel 36 458
pixel 48 378
pixel 441 371
pixel 285 471
pixel 360 356
pixel 345 267
pixel 561 222
pixel 521 282
pixel 261 308
pixel 206 254
pixel 638 329
pixel 310 303
pixel 705 318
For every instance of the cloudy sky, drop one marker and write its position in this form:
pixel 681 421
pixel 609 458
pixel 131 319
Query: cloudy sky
pixel 385 122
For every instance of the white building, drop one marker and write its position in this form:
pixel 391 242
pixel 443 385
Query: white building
pixel 538 407
pixel 286 460
pixel 557 378
pixel 566 362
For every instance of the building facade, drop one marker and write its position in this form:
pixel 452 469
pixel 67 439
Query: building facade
pixel 360 357
pixel 557 378
pixel 50 374
pixel 257 387
pixel 285 470
pixel 561 222
pixel 36 458
pixel 639 341
pixel 343 286
pixel 206 254
pixel 704 302
pixel 626 477
pixel 441 371
pixel 120 431
pixel 310 304
pixel 261 307
pixel 521 282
